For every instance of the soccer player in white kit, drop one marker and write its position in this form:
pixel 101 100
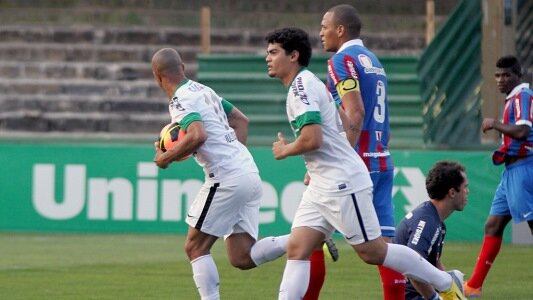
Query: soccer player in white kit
pixel 228 203
pixel 339 195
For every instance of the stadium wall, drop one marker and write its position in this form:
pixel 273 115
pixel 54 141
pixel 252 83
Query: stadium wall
pixel 104 188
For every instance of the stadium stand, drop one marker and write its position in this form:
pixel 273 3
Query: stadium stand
pixel 242 79
pixel 81 69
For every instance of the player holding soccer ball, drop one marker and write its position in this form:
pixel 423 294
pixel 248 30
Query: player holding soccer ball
pixel 339 194
pixel 228 203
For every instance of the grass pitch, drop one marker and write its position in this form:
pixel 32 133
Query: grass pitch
pixel 57 266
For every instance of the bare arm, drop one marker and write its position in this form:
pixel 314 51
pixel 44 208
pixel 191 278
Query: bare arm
pixel 354 114
pixel 239 122
pixel 195 137
pixel 517 132
pixel 309 140
pixel 424 289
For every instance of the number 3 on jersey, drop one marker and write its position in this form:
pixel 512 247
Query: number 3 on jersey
pixel 379 110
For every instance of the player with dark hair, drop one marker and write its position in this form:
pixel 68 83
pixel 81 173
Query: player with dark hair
pixel 513 198
pixel 339 194
pixel 423 229
pixel 228 203
pixel 358 83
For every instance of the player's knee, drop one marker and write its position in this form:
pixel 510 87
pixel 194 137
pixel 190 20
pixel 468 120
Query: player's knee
pixel 242 262
pixel 194 250
pixel 370 257
pixel 492 228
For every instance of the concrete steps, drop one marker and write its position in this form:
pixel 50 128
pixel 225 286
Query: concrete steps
pixel 97 81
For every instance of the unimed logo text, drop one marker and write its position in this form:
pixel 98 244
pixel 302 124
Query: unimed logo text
pixel 150 198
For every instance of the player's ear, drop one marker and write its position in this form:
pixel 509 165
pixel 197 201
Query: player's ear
pixel 294 55
pixel 341 30
pixel 158 78
pixel 452 192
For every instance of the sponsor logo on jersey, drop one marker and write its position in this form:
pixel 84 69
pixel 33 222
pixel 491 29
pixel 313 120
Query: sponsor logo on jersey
pixel 376 154
pixel 230 137
pixel 365 61
pixel 298 90
pixel 368 67
pixel 332 74
pixel 195 86
pixel 418 232
pixel 434 239
pixel 175 103
pixel 375 70
pixel 351 68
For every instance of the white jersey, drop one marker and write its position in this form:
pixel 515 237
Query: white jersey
pixel 334 168
pixel 222 155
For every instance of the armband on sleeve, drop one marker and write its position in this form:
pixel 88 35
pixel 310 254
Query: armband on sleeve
pixel 346 86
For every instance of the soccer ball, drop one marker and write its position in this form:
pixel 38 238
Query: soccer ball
pixel 169 137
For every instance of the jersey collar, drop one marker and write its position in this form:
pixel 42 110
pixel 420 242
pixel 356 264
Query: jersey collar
pixel 354 42
pixel 517 90
pixel 184 82
pixel 300 71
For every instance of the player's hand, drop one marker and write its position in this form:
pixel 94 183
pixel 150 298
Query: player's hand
pixel 157 158
pixel 488 124
pixel 278 147
pixel 307 178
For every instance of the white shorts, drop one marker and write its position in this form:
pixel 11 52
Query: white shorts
pixel 228 206
pixel 352 215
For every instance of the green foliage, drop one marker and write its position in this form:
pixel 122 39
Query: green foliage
pixel 54 266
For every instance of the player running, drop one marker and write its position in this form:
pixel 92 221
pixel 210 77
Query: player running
pixel 339 195
pixel 227 204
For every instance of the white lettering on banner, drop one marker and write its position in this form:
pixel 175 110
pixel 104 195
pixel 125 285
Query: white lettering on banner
pixel 103 193
pixel 171 199
pixel 268 201
pixel 290 199
pixel 100 190
pixel 122 200
pixel 43 194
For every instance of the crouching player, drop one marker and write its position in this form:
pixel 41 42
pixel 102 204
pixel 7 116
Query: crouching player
pixel 423 229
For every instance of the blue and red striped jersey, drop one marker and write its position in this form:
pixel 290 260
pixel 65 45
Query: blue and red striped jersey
pixel 518 111
pixel 354 60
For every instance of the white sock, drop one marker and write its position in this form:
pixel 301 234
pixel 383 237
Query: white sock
pixel 205 275
pixel 268 249
pixel 407 261
pixel 295 280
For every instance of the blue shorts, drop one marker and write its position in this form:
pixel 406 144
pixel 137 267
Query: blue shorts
pixel 383 201
pixel 514 195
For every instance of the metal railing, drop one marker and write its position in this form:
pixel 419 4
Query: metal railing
pixel 449 71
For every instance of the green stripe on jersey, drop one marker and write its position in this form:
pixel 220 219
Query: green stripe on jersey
pixel 228 106
pixel 310 117
pixel 188 119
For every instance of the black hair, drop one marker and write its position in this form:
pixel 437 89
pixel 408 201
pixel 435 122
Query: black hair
pixel 443 176
pixel 291 39
pixel 347 16
pixel 510 62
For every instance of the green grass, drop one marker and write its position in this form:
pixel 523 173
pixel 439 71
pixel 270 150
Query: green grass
pixel 56 266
